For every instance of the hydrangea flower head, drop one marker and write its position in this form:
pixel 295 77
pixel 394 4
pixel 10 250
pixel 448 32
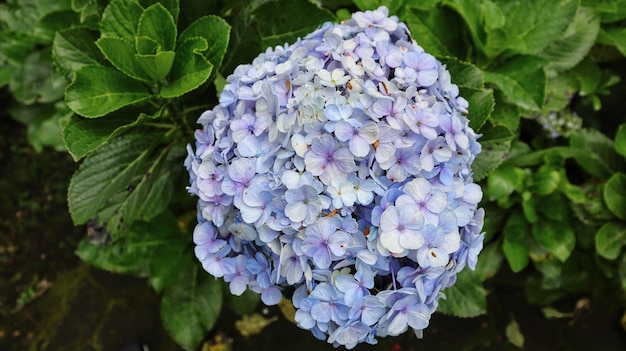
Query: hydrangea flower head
pixel 340 167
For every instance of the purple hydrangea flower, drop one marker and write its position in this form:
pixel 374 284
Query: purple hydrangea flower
pixel 401 229
pixel 303 204
pixel 340 166
pixel 408 311
pixel 322 241
pixel 328 160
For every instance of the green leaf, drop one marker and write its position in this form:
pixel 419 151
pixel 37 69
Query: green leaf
pixel 51 23
pixel 126 179
pixel 208 301
pixel 560 90
pixel 393 5
pixel 616 14
pixel 157 24
pixel 583 153
pixel 615 195
pixel 172 6
pixel 592 211
pixel 98 90
pixel 14 47
pixel 589 76
pixel 439 31
pixel 610 6
pixel 215 31
pixel 496 142
pixel 609 240
pixel 6 72
pixel 530 202
pixel 530 26
pixel 134 253
pixel 620 140
pixel 464 74
pixel 495 220
pixel 537 294
pixel 551 271
pixel 493 16
pixel 35 80
pixel 120 257
pixel 466 298
pixel 513 334
pixel 557 237
pixel 504 113
pixel 244 304
pixel 489 261
pixel 105 173
pixel 219 82
pixel 190 307
pixel 49 132
pixel 29 114
pixel 516 233
pixel 145 45
pixel 146 196
pixel 575 43
pixel 596 152
pixel 473 16
pixel 559 207
pixel 19 18
pixel 518 148
pixel 45 7
pixel 284 21
pixel 83 135
pixel 523 81
pixel 121 53
pixel 74 48
pixel 615 36
pixel 546 180
pixel 43 123
pixel 164 272
pixel 89 10
pixel 573 192
pixel 190 68
pixel 481 106
pixel 120 19
pixel 156 66
pixel 503 181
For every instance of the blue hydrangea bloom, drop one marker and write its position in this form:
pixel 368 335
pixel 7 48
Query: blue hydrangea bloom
pixel 340 165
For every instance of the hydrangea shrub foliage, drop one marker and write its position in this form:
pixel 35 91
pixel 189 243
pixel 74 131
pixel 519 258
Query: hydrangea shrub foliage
pixel 338 170
pixel 340 165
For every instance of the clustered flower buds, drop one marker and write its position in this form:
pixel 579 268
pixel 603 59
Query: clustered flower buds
pixel 562 124
pixel 339 166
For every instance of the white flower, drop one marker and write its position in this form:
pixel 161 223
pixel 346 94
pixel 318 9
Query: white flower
pixel 332 79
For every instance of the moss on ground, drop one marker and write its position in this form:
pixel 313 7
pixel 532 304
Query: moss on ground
pixel 94 310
